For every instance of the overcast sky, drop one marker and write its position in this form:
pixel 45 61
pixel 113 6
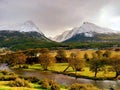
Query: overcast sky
pixel 55 16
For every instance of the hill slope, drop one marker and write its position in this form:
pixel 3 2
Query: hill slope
pixel 16 40
pixel 94 37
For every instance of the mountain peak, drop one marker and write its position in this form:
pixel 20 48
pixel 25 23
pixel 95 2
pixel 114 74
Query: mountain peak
pixel 29 23
pixel 87 28
pixel 87 23
pixel 27 26
pixel 90 27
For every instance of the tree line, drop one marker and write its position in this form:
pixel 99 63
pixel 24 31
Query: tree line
pixel 98 62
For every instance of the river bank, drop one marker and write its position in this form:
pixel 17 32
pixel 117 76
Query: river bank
pixel 68 80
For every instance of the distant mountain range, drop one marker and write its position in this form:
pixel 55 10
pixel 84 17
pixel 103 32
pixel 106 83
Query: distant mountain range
pixel 27 35
pixel 88 32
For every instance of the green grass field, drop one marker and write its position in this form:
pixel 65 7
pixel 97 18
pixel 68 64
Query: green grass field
pixel 60 67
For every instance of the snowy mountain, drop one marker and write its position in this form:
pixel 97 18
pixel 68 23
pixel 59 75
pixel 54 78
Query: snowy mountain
pixel 21 27
pixel 88 29
pixel 23 36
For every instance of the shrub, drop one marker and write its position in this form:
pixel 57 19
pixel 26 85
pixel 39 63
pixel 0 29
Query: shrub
pixel 12 73
pixel 45 84
pixel 19 83
pixel 77 86
pixel 25 67
pixel 7 78
pixel 54 85
pixel 4 72
pixel 32 79
pixel 118 78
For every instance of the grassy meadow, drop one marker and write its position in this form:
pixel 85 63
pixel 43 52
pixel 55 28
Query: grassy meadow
pixel 59 68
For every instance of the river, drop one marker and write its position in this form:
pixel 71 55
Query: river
pixel 68 80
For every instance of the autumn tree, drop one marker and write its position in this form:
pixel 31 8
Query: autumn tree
pixel 44 50
pixel 30 52
pixel 115 64
pixel 61 56
pixel 96 63
pixel 99 53
pixel 46 59
pixel 75 62
pixel 17 59
pixel 72 55
pixel 14 58
pixel 32 55
pixel 86 57
pixel 107 53
pixel 3 58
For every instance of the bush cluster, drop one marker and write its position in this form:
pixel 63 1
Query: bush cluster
pixel 77 86
pixel 7 76
pixel 32 79
pixel 118 78
pixel 4 72
pixel 45 84
pixel 19 83
pixel 24 67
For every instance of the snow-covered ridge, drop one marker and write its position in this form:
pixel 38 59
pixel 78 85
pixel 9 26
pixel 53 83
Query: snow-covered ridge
pixel 87 28
pixel 28 26
pixel 90 27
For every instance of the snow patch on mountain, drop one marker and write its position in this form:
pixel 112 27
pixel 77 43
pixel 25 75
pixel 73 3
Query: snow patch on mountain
pixel 87 34
pixel 28 26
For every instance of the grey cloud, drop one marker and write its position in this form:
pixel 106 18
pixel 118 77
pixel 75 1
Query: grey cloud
pixel 53 15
